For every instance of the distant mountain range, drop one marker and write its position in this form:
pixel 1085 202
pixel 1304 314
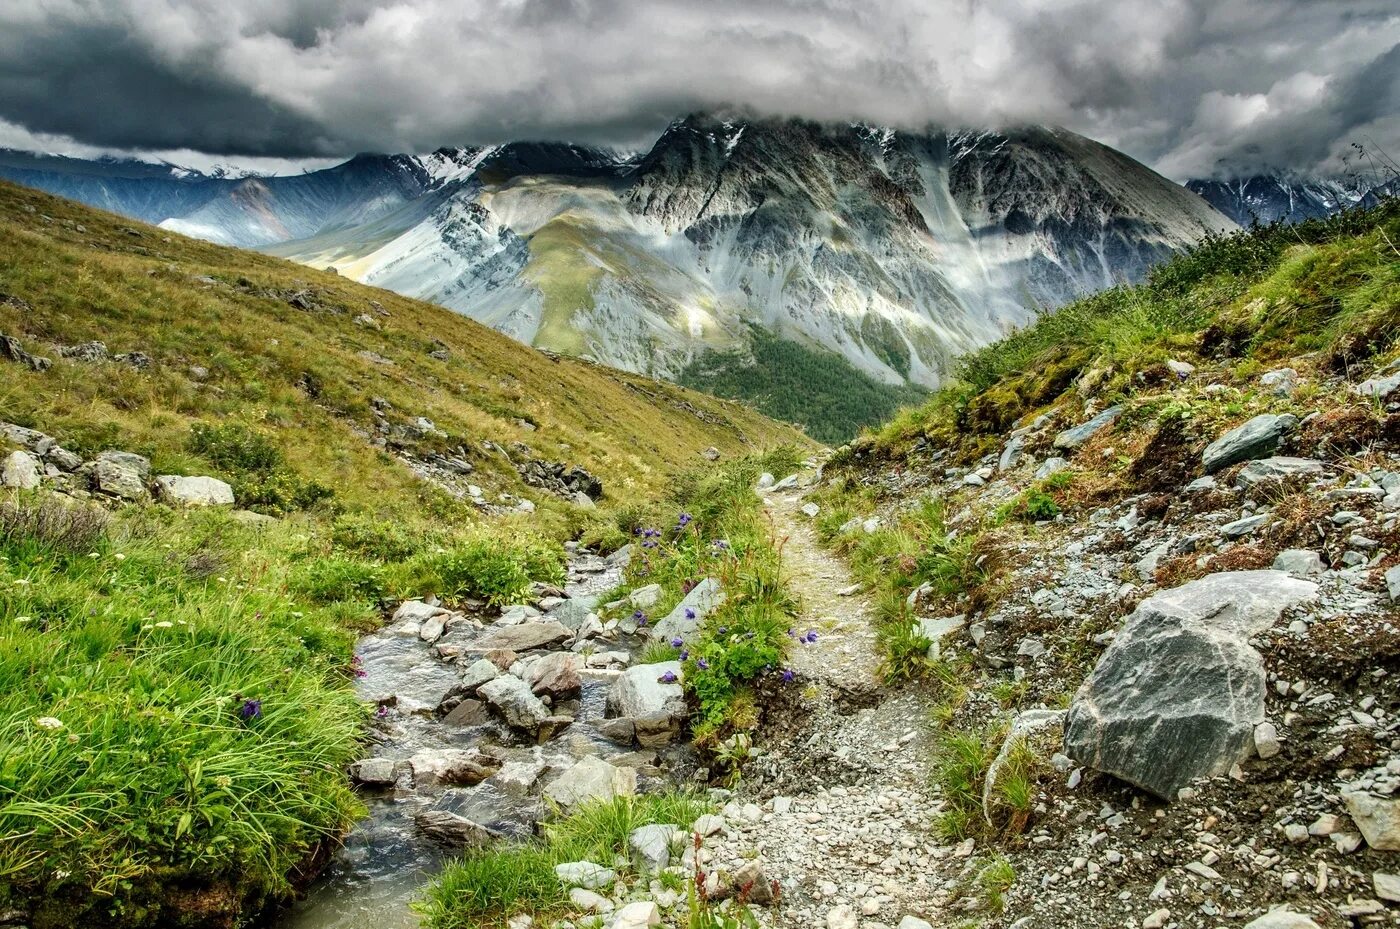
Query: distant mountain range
pixel 1267 198
pixel 875 256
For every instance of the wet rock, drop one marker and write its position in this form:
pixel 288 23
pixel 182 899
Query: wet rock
pixel 1278 468
pixel 556 675
pixel 193 491
pixel 572 614
pixel 621 731
pixel 417 612
pixel 527 636
pixel 481 671
pixel 20 472
pixel 584 874
pixel 591 778
pixel 374 772
pixel 450 766
pixel 1258 438
pixel 467 713
pixel 657 729
pixel 1179 691
pixel 502 658
pixel 1378 818
pixel 1077 436
pixel 513 699
pixel 645 690
pixel 451 829
pixel 684 621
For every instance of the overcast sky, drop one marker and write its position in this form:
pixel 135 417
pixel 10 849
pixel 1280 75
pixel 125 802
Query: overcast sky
pixel 1192 87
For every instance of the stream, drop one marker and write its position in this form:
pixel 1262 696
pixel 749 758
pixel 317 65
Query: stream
pixel 386 861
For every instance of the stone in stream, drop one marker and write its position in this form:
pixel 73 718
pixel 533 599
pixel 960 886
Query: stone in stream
pixel 572 613
pixel 1258 438
pixel 527 636
pixel 481 671
pixel 647 690
pixel 467 713
pixel 512 698
pixel 374 772
pixel 591 778
pixel 416 611
pixel 584 874
pixel 502 658
pixel 621 731
pixel 450 766
pixel 1177 694
pixel 556 675
pixel 451 829
pixel 516 614
pixel 684 621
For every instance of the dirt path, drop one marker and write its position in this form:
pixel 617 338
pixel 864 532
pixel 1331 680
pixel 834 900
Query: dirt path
pixel 838 807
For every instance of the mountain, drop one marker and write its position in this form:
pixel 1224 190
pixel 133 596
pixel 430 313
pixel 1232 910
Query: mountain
pixel 875 256
pixel 1267 198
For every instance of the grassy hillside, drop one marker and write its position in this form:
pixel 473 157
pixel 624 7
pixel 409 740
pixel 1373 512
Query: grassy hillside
pixel 1324 294
pixel 175 685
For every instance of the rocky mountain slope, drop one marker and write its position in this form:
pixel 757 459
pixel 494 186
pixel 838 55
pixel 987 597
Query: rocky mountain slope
pixel 1267 198
pixel 880 254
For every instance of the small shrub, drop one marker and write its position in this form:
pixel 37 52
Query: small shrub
pixel 337 579
pixel 257 471
pixel 45 522
pixel 484 567
pixel 383 540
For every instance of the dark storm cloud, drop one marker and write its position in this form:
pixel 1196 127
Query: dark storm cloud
pixel 1192 86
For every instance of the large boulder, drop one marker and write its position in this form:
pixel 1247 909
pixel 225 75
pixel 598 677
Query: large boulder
pixel 646 690
pixel 1077 436
pixel 527 636
pixel 193 491
pixel 1258 438
pixel 684 621
pixel 1179 692
pixel 591 779
pixel 512 698
pixel 21 471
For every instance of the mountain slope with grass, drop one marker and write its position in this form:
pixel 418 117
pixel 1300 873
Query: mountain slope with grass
pixel 1138 570
pixel 177 681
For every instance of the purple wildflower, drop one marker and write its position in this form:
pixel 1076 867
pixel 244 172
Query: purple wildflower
pixel 677 642
pixel 382 712
pixel 704 665
pixel 251 709
pixel 810 637
pixel 788 676
pixel 668 678
pixel 685 654
pixel 640 618
pixel 689 613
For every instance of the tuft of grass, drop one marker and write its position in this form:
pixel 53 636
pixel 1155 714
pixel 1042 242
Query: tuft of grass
pixel 962 759
pixel 994 879
pixel 486 887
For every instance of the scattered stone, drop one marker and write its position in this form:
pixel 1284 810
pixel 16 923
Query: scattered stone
pixel 584 874
pixel 450 766
pixel 591 778
pixel 120 474
pixel 651 847
pixel 21 471
pixel 527 636
pixel 1282 918
pixel 1011 455
pixel 193 491
pixel 374 772
pixel 1257 438
pixel 1268 470
pixel 1281 382
pixel 648 690
pixel 556 675
pixel 641 914
pixel 1378 818
pixel 1300 562
pixel 1387 886
pixel 1050 466
pixel 810 510
pixel 1266 742
pixel 1077 436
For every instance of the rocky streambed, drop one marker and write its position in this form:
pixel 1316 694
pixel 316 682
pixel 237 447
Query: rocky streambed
pixel 482 725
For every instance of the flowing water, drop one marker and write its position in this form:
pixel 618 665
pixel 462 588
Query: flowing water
pixel 385 862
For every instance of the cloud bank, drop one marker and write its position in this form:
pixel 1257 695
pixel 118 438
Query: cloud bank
pixel 1193 87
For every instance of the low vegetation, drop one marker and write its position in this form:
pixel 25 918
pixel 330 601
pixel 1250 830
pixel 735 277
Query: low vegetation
pixel 487 886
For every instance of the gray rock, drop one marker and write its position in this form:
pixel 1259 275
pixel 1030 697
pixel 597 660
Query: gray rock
pixel 63 459
pixel 1243 527
pixel 913 922
pixel 527 636
pixel 1026 724
pixel 193 491
pixel 1258 438
pixel 451 829
pixel 1392 582
pixel 1378 818
pixel 85 351
pixel 591 779
pixel 1011 455
pixel 572 613
pixel 374 772
pixel 1177 694
pixel 621 558
pixel 1182 369
pixel 786 483
pixel 449 766
pixel 584 874
pixel 1077 436
pixel 1267 470
pixel 645 597
pixel 1299 562
pixel 1387 886
pixel 120 474
pixel 710 454
pixel 766 480
pixel 556 675
pixel 640 914
pixel 684 621
pixel 640 692
pixel 513 699
pixel 1282 918
pixel 1266 740
pixel 651 847
pixel 1379 388
pixel 20 472
pixel 416 611
pixel 810 510
pixel 589 902
pixel 1281 382
pixel 467 713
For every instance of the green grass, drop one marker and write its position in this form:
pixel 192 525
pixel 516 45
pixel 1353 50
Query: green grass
pixel 791 382
pixel 485 888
